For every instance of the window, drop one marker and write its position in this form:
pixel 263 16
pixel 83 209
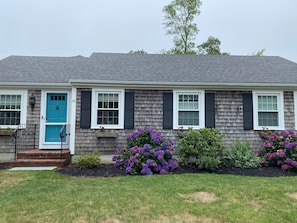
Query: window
pixel 268 110
pixel 107 108
pixel 13 108
pixel 188 109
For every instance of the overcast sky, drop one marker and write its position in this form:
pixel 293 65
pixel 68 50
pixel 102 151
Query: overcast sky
pixel 80 27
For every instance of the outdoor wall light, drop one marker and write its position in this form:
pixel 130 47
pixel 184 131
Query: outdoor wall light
pixel 32 100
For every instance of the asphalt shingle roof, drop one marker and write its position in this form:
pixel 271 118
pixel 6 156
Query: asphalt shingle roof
pixel 150 68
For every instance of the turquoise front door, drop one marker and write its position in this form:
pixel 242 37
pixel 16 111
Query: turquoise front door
pixel 56 117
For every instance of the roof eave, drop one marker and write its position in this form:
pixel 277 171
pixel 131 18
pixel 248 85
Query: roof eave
pixel 33 85
pixel 175 85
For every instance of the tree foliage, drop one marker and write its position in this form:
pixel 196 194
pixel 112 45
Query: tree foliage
pixel 137 52
pixel 211 47
pixel 179 22
pixel 259 53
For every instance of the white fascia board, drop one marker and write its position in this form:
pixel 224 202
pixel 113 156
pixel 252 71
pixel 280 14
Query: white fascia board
pixel 181 85
pixel 33 85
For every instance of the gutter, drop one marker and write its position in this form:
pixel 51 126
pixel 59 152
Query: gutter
pixel 34 85
pixel 180 85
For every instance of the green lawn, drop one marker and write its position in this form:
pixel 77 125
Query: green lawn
pixel 47 196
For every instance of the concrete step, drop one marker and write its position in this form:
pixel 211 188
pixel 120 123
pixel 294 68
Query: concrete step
pixel 39 162
pixel 44 154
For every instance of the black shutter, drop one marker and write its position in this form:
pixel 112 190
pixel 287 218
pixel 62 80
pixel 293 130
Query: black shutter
pixel 210 110
pixel 247 111
pixel 85 109
pixel 167 110
pixel 129 110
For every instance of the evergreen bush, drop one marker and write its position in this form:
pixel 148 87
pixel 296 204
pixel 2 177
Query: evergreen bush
pixel 202 147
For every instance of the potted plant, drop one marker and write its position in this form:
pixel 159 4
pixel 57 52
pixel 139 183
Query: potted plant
pixel 6 131
pixel 182 132
pixel 264 133
pixel 103 133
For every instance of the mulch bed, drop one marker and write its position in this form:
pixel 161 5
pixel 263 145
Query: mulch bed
pixel 4 166
pixel 108 170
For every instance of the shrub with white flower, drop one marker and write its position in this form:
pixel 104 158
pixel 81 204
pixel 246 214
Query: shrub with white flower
pixel 280 148
pixel 146 152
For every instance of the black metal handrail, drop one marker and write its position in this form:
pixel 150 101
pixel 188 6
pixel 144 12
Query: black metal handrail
pixel 14 135
pixel 22 136
pixel 63 134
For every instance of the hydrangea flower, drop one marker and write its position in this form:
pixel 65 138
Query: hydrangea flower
pixel 280 149
pixel 146 152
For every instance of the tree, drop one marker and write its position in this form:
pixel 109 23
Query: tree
pixel 211 47
pixel 179 22
pixel 259 53
pixel 137 52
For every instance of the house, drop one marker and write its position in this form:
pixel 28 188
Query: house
pixel 93 103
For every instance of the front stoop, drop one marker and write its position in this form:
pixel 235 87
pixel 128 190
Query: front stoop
pixel 39 157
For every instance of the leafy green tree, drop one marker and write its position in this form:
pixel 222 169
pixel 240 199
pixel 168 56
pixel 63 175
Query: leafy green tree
pixel 259 53
pixel 137 52
pixel 211 47
pixel 179 22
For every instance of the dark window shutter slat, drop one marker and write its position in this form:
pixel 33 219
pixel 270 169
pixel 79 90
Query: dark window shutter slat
pixel 85 109
pixel 209 110
pixel 247 111
pixel 167 110
pixel 129 110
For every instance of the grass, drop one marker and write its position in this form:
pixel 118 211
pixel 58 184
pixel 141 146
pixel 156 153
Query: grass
pixel 46 196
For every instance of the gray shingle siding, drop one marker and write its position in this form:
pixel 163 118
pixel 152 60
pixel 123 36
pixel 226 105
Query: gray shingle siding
pixel 148 113
pixel 229 118
pixel 289 110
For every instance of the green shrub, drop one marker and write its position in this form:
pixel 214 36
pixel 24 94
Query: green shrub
pixel 89 161
pixel 241 155
pixel 202 147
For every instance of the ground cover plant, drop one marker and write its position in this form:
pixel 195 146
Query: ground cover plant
pixel 280 148
pixel 202 147
pixel 89 160
pixel 146 152
pixel 241 155
pixel 47 196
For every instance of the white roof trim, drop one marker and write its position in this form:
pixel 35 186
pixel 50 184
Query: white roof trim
pixel 170 85
pixel 34 85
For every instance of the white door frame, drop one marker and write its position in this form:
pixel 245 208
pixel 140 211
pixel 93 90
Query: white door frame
pixel 43 104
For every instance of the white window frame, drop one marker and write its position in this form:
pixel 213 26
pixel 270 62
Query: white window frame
pixel 280 109
pixel 201 99
pixel 95 93
pixel 24 99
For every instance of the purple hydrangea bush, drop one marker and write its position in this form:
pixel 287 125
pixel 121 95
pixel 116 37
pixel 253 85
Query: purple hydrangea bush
pixel 146 152
pixel 280 148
